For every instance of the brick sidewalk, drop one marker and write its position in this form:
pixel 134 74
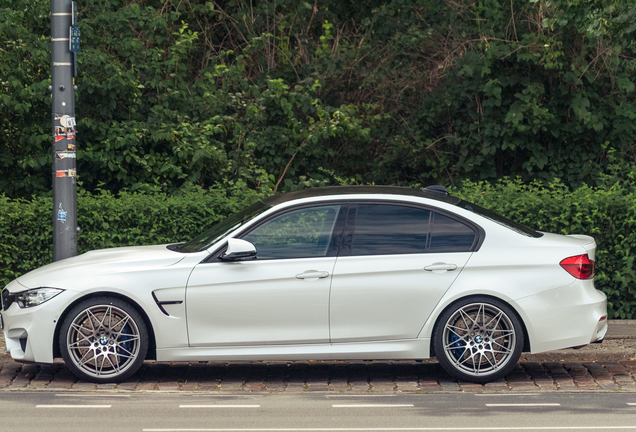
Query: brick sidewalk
pixel 349 377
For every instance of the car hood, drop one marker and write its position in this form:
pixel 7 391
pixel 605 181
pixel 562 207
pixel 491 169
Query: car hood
pixel 114 260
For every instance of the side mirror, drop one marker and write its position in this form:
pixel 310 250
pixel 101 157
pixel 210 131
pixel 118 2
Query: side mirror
pixel 238 250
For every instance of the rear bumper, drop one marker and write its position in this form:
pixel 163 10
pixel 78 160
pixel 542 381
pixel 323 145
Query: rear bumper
pixel 566 317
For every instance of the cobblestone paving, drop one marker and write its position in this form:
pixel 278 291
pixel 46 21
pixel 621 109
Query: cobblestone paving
pixel 349 377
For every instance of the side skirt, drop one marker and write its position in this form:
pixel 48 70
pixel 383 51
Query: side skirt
pixel 404 349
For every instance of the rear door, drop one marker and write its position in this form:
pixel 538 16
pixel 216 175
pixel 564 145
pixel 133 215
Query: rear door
pixel 395 263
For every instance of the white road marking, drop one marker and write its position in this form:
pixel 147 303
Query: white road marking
pixel 73 406
pixel 359 395
pixel 631 403
pixel 84 395
pixel 506 394
pixel 523 405
pixel 431 429
pixel 372 405
pixel 219 406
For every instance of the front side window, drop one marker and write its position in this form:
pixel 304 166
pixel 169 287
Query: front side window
pixel 382 229
pixel 300 233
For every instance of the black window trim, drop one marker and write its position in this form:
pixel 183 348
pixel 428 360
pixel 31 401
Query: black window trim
pixel 334 244
pixel 347 236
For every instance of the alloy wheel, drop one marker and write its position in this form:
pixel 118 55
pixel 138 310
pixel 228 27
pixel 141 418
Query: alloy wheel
pixel 479 339
pixel 103 341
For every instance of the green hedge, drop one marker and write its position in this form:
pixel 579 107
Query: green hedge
pixel 106 220
pixel 607 212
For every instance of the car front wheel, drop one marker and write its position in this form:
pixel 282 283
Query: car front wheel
pixel 478 339
pixel 103 339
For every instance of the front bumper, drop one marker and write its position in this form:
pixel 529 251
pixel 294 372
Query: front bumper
pixel 29 333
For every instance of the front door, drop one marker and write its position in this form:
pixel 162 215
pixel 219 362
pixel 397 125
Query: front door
pixel 281 297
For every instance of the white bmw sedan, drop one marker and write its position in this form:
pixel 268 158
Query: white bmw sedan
pixel 362 272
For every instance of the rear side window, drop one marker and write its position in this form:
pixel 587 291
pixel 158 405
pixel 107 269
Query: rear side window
pixel 391 229
pixel 450 235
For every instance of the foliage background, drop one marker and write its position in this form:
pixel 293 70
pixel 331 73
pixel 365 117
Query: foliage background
pixel 195 107
pixel 281 92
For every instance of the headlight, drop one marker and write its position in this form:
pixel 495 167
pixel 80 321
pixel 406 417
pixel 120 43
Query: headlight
pixel 35 297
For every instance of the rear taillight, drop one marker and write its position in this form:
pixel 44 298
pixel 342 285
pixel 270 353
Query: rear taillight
pixel 580 266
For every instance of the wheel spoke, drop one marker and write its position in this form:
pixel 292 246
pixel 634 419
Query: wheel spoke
pixel 81 329
pixel 86 360
pixel 496 317
pixel 76 344
pixel 483 315
pixel 132 337
pixel 113 365
pixel 124 320
pixel 451 327
pixel 502 346
pixel 124 349
pixel 109 313
pixel 492 365
pixel 502 333
pixel 464 315
pixel 89 318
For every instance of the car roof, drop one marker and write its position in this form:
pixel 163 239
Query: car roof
pixel 358 190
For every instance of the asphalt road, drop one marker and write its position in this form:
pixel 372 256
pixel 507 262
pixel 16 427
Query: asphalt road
pixel 172 412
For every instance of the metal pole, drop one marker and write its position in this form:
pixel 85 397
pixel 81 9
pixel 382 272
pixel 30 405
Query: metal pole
pixel 63 114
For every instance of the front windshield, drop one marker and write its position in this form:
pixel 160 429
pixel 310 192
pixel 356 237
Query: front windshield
pixel 223 228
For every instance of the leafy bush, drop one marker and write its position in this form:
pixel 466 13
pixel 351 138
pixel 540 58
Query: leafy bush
pixel 608 213
pixel 393 92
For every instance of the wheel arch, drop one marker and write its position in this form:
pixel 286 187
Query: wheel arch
pixel 152 345
pixel 526 339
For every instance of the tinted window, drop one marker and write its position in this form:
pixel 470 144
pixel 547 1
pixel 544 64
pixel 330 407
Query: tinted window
pixel 382 229
pixel 450 235
pixel 298 233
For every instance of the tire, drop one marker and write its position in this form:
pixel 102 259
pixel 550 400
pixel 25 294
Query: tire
pixel 103 339
pixel 478 339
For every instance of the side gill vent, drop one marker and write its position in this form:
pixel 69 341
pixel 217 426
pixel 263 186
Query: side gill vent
pixel 161 303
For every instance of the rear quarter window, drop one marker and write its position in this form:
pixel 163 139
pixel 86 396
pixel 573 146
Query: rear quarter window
pixel 450 235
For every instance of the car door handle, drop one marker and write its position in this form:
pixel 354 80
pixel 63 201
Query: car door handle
pixel 312 274
pixel 440 267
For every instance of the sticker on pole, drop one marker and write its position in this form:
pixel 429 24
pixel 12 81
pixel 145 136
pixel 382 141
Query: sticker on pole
pixel 74 39
pixel 66 173
pixel 61 214
pixel 74 32
pixel 65 155
pixel 66 121
pixel 66 128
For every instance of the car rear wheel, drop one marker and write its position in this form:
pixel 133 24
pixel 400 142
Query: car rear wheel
pixel 103 339
pixel 478 339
